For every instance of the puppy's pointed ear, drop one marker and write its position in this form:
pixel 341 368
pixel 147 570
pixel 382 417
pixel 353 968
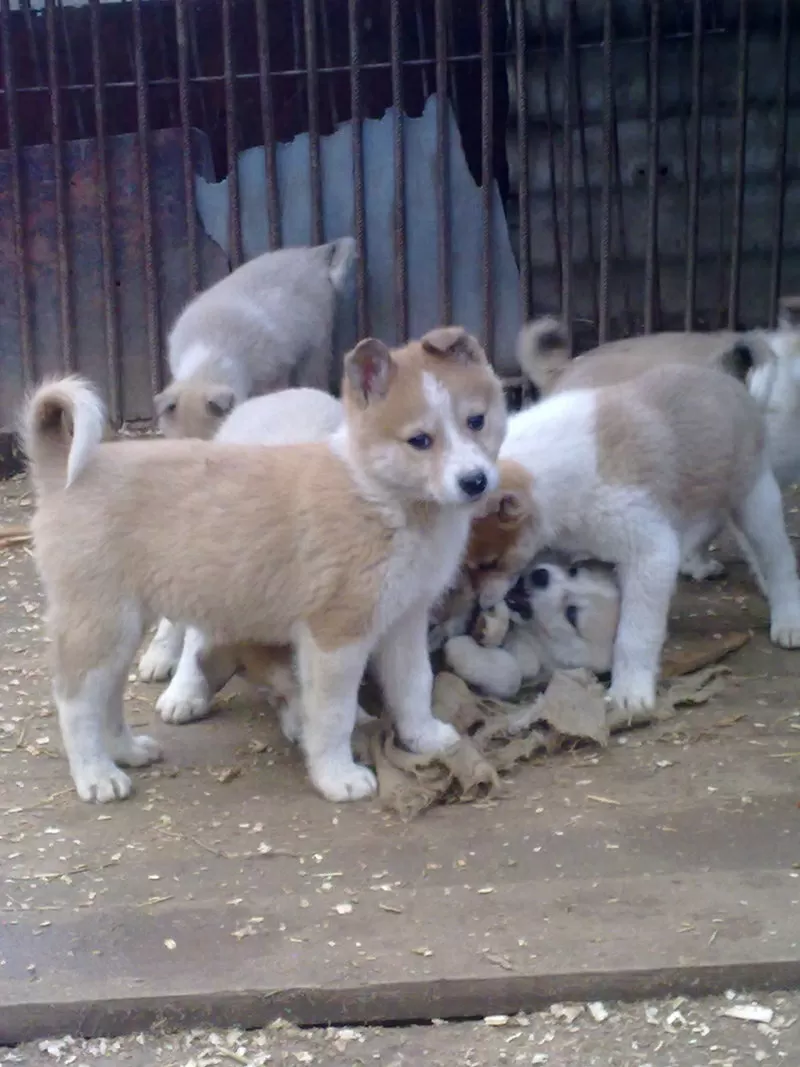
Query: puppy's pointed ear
pixel 453 342
pixel 369 370
pixel 220 402
pixel 789 312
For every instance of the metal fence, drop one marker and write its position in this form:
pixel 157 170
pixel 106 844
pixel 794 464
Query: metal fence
pixel 628 164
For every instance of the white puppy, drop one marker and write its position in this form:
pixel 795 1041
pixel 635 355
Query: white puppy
pixel 246 335
pixel 639 474
pixel 291 416
pixel 560 614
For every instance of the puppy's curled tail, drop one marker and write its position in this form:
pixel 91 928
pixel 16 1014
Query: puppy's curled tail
pixel 341 257
pixel 752 360
pixel 543 352
pixel 63 423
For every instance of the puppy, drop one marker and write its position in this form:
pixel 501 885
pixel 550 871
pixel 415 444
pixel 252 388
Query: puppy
pixel 340 554
pixel 290 416
pixel 247 334
pixel 639 474
pixel 560 614
pixel 767 361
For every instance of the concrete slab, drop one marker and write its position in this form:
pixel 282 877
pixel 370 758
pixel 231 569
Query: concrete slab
pixel 226 892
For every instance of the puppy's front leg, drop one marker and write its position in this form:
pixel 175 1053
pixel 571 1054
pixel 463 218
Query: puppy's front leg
pixel 190 693
pixel 404 671
pixel 329 681
pixel 647 582
pixel 163 652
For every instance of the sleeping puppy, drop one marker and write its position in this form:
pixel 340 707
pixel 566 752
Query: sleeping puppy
pixel 560 614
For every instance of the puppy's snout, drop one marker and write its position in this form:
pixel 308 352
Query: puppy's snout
pixel 540 578
pixel 473 484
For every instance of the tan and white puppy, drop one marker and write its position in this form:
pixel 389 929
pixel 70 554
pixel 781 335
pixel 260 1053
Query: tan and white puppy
pixel 640 474
pixel 341 553
pixel 560 614
pixel 245 335
pixel 290 416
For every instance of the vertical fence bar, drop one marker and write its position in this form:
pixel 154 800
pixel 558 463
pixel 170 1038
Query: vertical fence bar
pixel 566 175
pixel 605 192
pixel 522 146
pixel 551 140
pixel 110 331
pixel 143 132
pixel 229 77
pixel 587 186
pixel 268 125
pixel 12 118
pixel 780 189
pixel 739 179
pixel 59 178
pixel 651 254
pixel 359 206
pixel 400 288
pixel 693 204
pixel 312 88
pixel 487 168
pixel 185 106
pixel 443 226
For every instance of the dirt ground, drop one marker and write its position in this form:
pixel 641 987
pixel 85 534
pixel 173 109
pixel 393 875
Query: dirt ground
pixel 225 892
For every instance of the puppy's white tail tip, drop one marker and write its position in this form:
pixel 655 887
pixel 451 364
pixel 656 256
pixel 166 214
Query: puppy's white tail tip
pixel 543 351
pixel 342 256
pixel 63 423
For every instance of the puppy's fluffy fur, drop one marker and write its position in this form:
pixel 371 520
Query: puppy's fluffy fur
pixel 560 614
pixel 640 474
pixel 336 547
pixel 247 334
pixel 290 416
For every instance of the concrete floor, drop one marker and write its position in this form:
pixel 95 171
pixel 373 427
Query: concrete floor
pixel 225 892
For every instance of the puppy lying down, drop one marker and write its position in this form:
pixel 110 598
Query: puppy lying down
pixel 561 613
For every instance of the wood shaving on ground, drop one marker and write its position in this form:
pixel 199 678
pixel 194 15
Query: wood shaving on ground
pixel 497 735
pixel 14 535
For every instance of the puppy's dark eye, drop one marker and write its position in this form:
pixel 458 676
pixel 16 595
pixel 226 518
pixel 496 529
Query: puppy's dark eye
pixel 476 422
pixel 571 615
pixel 573 571
pixel 421 441
pixel 171 408
pixel 487 565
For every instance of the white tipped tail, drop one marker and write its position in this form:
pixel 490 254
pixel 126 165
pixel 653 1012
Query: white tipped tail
pixel 542 352
pixel 63 423
pixel 753 359
pixel 342 255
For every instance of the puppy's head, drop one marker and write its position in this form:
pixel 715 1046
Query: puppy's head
pixel 425 422
pixel 503 538
pixel 572 607
pixel 193 408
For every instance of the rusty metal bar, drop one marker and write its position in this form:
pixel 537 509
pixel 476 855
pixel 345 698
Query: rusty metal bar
pixel 741 150
pixel 566 174
pixel 551 140
pixel 359 208
pixel 487 169
pixel 268 125
pixel 693 204
pixel 72 76
pixel 234 211
pixel 143 130
pixel 65 313
pixel 443 228
pixel 185 105
pixel 312 88
pixel 423 50
pixel 780 191
pixel 400 286
pixel 328 54
pixel 15 149
pixel 587 187
pixel 605 193
pixel 523 186
pixel 651 255
pixel 110 328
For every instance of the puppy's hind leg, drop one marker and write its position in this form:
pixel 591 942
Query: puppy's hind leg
pixel 90 710
pixel 163 653
pixel 200 674
pixel 759 525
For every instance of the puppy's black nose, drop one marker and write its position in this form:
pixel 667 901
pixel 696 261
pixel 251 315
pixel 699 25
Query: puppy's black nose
pixel 518 601
pixel 473 484
pixel 540 578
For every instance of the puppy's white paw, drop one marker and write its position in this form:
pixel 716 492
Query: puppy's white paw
pixel 135 750
pixel 363 718
pixel 702 568
pixel 102 782
pixel 432 736
pixel 785 630
pixel 183 702
pixel 634 692
pixel 342 782
pixel 158 663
